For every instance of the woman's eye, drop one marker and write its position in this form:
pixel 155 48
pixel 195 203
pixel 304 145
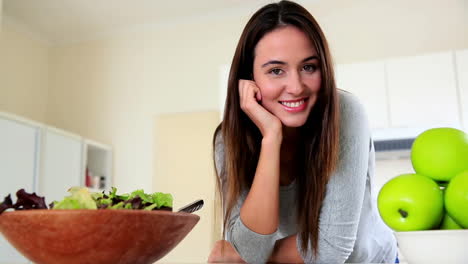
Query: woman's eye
pixel 310 68
pixel 276 71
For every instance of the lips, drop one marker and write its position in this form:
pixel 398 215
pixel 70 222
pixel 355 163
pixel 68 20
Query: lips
pixel 296 105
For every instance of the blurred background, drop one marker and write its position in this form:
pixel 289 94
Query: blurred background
pixel 128 93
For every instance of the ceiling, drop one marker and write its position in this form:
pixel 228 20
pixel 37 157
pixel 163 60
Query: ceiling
pixel 72 20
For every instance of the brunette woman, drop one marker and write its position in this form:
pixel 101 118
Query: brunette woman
pixel 294 155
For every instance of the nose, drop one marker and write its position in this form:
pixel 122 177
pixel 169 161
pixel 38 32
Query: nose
pixel 295 86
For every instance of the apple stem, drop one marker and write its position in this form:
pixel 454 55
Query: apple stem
pixel 403 213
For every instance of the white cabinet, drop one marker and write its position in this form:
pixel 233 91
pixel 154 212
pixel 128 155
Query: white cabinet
pixel 461 61
pixel 46 160
pixel 422 91
pixel 61 163
pixel 406 96
pixel 367 82
pixel 19 143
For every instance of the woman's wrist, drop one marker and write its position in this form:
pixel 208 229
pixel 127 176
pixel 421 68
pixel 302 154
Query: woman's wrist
pixel 272 139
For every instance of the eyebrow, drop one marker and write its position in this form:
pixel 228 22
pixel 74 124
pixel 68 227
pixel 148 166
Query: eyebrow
pixel 283 63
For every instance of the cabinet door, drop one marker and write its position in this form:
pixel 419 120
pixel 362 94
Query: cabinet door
pixel 61 164
pixel 18 160
pixel 367 82
pixel 422 91
pixel 462 74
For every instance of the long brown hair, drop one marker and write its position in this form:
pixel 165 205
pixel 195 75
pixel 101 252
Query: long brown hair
pixel 242 138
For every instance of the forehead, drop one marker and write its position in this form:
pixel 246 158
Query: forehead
pixel 284 43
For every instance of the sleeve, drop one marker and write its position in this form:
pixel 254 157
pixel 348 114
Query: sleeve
pixel 342 204
pixel 251 246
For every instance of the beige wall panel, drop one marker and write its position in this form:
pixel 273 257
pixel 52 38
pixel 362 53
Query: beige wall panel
pixel 1 15
pixel 184 168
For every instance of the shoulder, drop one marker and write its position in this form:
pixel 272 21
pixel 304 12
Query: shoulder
pixel 353 118
pixel 218 141
pixel 218 149
pixel 350 105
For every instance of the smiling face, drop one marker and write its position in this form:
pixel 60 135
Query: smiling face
pixel 287 71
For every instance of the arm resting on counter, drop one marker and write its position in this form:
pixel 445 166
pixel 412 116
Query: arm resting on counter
pixel 286 251
pixel 224 252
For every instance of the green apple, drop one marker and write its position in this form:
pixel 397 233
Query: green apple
pixel 411 202
pixel 456 199
pixel 440 153
pixel 449 223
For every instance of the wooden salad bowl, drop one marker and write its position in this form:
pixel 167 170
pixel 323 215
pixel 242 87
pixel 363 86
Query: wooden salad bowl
pixel 95 236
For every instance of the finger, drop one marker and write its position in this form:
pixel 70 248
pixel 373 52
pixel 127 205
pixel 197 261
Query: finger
pixel 242 95
pixel 252 93
pixel 243 88
pixel 259 95
pixel 240 86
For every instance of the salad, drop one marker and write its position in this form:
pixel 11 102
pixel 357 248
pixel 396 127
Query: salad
pixel 82 198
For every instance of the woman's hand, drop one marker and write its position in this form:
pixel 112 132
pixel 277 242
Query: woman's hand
pixel 227 254
pixel 250 96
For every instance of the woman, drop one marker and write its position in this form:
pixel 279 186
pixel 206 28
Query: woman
pixel 294 155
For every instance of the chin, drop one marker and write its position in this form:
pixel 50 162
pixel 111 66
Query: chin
pixel 293 123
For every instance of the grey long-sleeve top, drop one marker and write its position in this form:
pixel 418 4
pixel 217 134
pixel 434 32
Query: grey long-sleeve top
pixel 350 228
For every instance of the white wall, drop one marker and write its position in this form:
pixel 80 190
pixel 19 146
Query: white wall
pixel 111 90
pixel 369 30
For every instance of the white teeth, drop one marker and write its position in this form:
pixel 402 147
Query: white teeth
pixel 294 104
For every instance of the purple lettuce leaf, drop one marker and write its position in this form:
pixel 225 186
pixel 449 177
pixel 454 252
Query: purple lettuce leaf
pixel 29 201
pixel 6 204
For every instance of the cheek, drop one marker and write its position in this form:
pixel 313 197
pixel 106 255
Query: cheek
pixel 269 89
pixel 314 82
pixel 270 93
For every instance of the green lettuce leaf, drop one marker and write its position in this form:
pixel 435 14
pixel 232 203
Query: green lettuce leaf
pixel 80 198
pixel 162 199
